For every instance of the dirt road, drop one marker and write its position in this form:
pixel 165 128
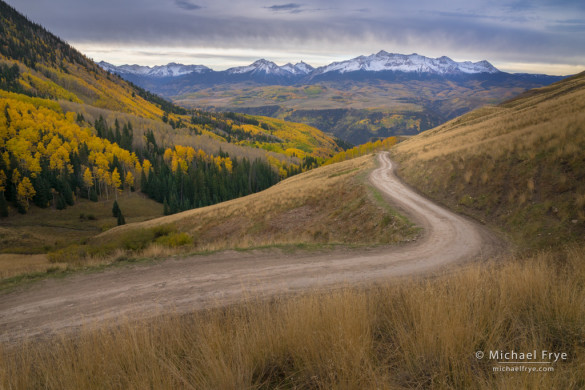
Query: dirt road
pixel 202 281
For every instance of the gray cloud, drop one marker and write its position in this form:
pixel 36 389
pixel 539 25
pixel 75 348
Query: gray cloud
pixel 538 31
pixel 290 7
pixel 185 4
pixel 570 26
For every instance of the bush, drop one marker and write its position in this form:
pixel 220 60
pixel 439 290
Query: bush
pixel 68 254
pixel 174 240
pixel 140 238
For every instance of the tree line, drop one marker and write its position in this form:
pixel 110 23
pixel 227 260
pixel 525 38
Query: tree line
pixel 50 159
pixel 182 178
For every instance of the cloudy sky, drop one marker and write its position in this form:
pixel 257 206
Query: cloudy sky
pixel 535 36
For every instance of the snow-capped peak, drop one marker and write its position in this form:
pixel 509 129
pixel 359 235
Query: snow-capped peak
pixel 383 61
pixel 303 67
pixel 300 68
pixel 270 68
pixel 261 65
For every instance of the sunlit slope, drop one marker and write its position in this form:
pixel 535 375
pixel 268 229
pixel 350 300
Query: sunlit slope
pixel 50 68
pixel 36 63
pixel 297 139
pixel 519 165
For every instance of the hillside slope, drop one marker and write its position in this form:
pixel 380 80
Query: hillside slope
pixel 519 166
pixel 36 63
pixel 74 139
pixel 328 205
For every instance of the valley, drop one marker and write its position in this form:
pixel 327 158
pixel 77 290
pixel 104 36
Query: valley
pixel 359 100
pixel 383 221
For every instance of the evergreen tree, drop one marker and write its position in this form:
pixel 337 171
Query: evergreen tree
pixel 68 193
pixel 60 202
pixel 121 220
pixel 3 206
pixel 166 209
pixel 43 192
pixel 115 209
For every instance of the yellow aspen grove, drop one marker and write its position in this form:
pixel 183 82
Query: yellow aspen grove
pixel 25 191
pixel 116 181
pixel 174 162
pixel 129 180
pixel 88 180
pixel 137 168
pixel 146 165
pixel 15 176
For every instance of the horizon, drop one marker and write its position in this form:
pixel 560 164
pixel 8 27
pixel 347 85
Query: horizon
pixel 542 36
pixel 293 62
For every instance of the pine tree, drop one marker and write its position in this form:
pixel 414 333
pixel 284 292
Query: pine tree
pixel 43 192
pixel 166 209
pixel 121 220
pixel 68 193
pixel 115 209
pixel 3 206
pixel 60 203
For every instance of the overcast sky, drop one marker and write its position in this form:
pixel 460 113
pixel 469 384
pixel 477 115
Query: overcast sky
pixel 534 36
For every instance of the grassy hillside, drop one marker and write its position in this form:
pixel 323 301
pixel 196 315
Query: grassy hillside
pixel 518 166
pixel 328 205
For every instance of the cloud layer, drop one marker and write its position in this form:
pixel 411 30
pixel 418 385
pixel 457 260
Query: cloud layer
pixel 504 32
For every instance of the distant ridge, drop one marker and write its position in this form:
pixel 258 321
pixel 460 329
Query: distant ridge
pixel 381 61
pixel 364 98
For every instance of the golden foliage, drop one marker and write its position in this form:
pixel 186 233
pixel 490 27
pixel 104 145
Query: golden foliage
pixel 25 191
pixel 182 157
pixel 362 150
pixel 32 130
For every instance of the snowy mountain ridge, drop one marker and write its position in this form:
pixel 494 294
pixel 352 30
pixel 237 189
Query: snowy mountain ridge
pixel 381 61
pixel 169 70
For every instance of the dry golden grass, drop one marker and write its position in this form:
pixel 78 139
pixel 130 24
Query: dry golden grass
pixel 328 205
pixel 43 229
pixel 411 334
pixel 14 264
pixel 518 166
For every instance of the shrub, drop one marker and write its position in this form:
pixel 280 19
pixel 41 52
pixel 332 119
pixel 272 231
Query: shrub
pixel 174 240
pixel 68 254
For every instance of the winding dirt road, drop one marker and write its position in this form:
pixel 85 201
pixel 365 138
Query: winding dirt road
pixel 197 282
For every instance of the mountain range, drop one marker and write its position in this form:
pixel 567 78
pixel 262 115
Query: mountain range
pixel 303 73
pixel 169 70
pixel 357 100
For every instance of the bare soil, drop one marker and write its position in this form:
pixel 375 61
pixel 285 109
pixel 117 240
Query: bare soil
pixel 196 282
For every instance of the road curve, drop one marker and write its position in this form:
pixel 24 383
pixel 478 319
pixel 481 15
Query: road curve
pixel 187 284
